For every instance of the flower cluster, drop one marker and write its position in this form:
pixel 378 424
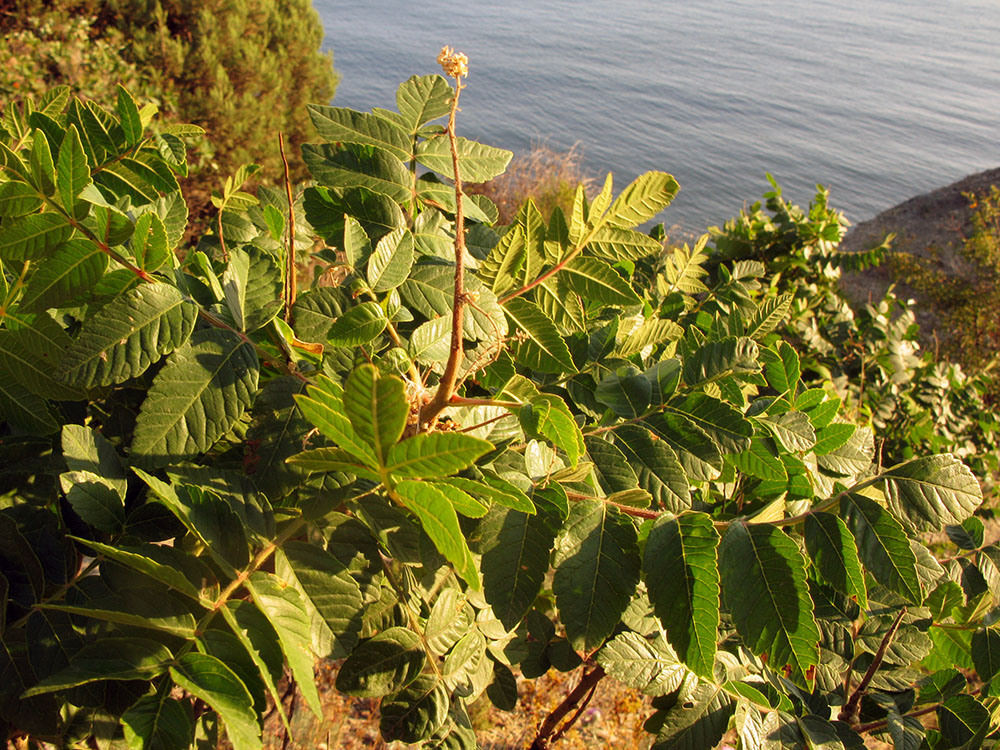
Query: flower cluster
pixel 455 64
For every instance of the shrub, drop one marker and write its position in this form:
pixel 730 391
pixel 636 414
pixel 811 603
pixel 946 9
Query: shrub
pixel 488 450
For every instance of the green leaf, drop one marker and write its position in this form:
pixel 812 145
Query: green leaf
pixel 831 549
pixel 643 199
pixel 25 409
pixel 435 454
pixel 33 237
pixel 650 666
pixel 697 452
pixel 421 99
pixel 764 583
pixel 390 264
pixel 781 368
pixel 516 561
pixel 151 560
pixel 18 199
pixel 338 124
pixel 331 590
pixel 128 335
pixel 477 162
pixel 464 503
pixel 430 290
pixel 438 518
pixel 358 326
pixel 962 719
pixel 853 457
pixel 792 429
pixel 207 678
pixel 832 437
pixel 611 466
pixel 95 500
pixel 382 665
pixel 333 459
pixel 696 723
pixel 196 398
pixel 986 653
pixel 159 722
pixel 596 572
pixel 544 350
pixel 932 491
pixel 109 659
pixel 682 577
pixel 72 170
pixel 377 409
pixel 627 392
pixel 656 466
pixel 288 615
pixel 324 407
pixel 316 310
pixel 768 316
pixel 351 166
pixel 30 350
pixel 548 417
pixel 760 461
pixel 596 281
pixel 495 490
pixel 882 546
pixel 129 114
pixel 416 712
pixel 85 449
pixel 70 272
pixel 149 242
pixel 717 359
pixel 616 244
pixel 725 424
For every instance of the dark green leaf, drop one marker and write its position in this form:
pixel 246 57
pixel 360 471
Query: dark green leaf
pixel 414 713
pixel 544 350
pixel 382 665
pixel 33 237
pixel 831 549
pixel 650 666
pixel 932 491
pixel 207 678
pixel 656 466
pixel 438 518
pixel 159 722
pixel 109 659
pixel 358 326
pixel 71 271
pixel 882 546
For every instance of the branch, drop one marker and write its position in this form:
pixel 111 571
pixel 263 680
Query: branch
pixel 446 387
pixel 547 732
pixel 849 712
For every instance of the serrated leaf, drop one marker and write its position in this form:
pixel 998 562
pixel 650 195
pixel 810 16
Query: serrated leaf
pixel 196 398
pixel 477 162
pixel 72 170
pixel 596 572
pixel 760 461
pixel 650 666
pixel 95 500
pixel 962 719
pixel 158 722
pixel 390 263
pixel 627 393
pixel 515 564
pixel 831 548
pixel 781 368
pixel 697 452
pixel 682 577
pixel 764 583
pixel 495 490
pixel 316 310
pixel 616 244
pixel 544 350
pixel 643 199
pixel 30 350
pixel 209 679
pixel 717 359
pixel 33 237
pixel 882 546
pixel 430 343
pixel 324 407
pixel 792 429
pixel 656 466
pixel 932 491
pixel 149 242
pixel 338 124
pixel 832 437
pixel 131 122
pixel 436 454
pixel 25 409
pixel 986 653
pixel 382 665
pixel 548 417
pixel 421 99
pixel 70 272
pixel 853 457
pixel 349 166
pixel 723 423
pixel 596 281
pixel 358 326
pixel 109 659
pixel 377 409
pixel 696 723
pixel 128 335
pixel 438 518
pixel 430 290
pixel 611 466
pixel 416 712
pixel 768 316
pixel 18 199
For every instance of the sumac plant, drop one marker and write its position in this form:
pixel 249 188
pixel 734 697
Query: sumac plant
pixel 487 451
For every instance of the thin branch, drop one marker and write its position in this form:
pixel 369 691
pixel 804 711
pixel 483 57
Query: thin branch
pixel 487 422
pixel 849 712
pixel 462 401
pixel 629 510
pixel 548 729
pixel 291 278
pixel 446 387
pixel 222 239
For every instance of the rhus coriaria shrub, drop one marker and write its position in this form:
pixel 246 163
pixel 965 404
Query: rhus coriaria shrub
pixel 489 451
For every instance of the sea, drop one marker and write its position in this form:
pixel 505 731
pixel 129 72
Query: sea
pixel 878 100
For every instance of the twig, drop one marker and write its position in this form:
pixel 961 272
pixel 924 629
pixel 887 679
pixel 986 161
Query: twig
pixel 222 239
pixel 572 719
pixel 547 731
pixel 849 712
pixel 291 279
pixel 446 387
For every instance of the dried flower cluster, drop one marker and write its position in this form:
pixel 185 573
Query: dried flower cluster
pixel 455 64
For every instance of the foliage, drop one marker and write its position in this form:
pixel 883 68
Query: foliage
pixel 489 449
pixel 968 302
pixel 916 403
pixel 242 70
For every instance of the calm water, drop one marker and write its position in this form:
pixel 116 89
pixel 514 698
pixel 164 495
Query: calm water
pixel 877 99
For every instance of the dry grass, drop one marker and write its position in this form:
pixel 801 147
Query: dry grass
pixel 547 176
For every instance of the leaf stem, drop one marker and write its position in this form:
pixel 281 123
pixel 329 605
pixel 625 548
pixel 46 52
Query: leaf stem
pixel 291 278
pixel 849 712
pixel 547 732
